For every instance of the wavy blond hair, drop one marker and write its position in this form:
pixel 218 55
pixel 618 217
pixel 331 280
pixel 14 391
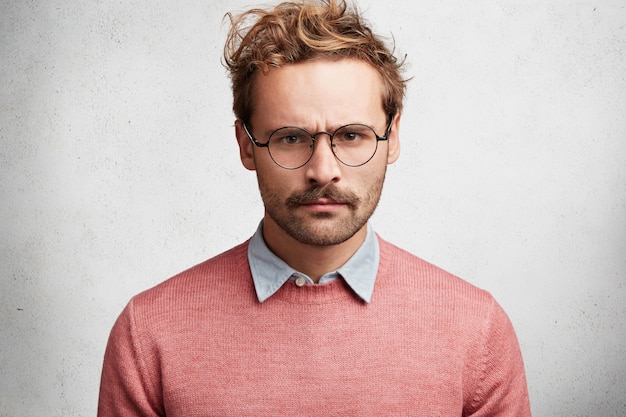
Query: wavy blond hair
pixel 298 31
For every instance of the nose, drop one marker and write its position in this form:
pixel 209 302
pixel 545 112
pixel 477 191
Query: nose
pixel 323 168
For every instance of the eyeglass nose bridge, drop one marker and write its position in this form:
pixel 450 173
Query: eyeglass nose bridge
pixel 314 136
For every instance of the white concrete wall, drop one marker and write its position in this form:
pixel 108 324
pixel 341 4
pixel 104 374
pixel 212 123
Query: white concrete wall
pixel 119 168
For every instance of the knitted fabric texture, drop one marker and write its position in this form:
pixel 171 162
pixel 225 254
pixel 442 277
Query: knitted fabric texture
pixel 200 344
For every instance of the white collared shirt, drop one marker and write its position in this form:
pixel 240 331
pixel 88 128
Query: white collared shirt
pixel 269 272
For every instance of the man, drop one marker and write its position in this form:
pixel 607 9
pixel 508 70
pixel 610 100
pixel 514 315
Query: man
pixel 315 314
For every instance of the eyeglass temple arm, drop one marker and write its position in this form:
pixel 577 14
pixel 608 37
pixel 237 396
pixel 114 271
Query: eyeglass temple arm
pixel 252 138
pixel 388 130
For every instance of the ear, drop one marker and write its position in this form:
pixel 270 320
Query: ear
pixel 393 140
pixel 245 146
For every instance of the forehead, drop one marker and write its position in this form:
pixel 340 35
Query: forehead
pixel 318 91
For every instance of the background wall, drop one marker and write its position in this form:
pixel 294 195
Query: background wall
pixel 119 168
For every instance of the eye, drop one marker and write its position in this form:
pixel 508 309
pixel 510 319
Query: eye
pixel 353 134
pixel 350 136
pixel 289 137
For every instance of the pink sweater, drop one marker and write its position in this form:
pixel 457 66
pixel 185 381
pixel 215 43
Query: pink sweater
pixel 200 344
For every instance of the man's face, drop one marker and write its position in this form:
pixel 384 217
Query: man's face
pixel 324 202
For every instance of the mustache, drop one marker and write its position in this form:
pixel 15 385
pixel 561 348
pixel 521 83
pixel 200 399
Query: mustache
pixel 328 192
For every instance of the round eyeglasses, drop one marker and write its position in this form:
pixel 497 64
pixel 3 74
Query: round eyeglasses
pixel 292 147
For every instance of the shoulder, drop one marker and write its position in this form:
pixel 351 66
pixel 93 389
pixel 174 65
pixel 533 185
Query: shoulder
pixel 418 280
pixel 420 292
pixel 226 272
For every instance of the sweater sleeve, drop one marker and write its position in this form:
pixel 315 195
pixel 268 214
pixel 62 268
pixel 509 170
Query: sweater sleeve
pixel 127 386
pixel 499 387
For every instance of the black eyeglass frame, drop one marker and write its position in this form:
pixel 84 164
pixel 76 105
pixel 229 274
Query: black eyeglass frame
pixel 314 138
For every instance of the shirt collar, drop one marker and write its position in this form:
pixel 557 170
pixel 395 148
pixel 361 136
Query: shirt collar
pixel 269 272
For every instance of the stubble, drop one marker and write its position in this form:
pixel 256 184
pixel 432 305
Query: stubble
pixel 323 228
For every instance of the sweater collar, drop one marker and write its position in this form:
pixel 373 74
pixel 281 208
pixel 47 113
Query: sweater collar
pixel 269 272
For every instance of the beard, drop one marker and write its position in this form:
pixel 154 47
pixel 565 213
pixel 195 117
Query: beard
pixel 323 229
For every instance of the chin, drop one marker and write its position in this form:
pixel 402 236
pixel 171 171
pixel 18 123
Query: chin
pixel 333 234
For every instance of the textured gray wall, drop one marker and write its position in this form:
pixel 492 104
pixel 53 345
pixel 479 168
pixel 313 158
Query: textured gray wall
pixel 119 168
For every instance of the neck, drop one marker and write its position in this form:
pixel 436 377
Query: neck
pixel 314 261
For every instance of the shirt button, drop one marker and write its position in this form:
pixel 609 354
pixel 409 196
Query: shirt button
pixel 300 281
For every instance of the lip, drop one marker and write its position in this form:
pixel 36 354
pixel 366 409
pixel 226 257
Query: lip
pixel 323 205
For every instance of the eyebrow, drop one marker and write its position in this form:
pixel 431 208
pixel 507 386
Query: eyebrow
pixel 331 130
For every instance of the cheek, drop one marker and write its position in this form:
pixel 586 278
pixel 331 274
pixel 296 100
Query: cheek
pixel 272 182
pixel 369 182
pixel 369 174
